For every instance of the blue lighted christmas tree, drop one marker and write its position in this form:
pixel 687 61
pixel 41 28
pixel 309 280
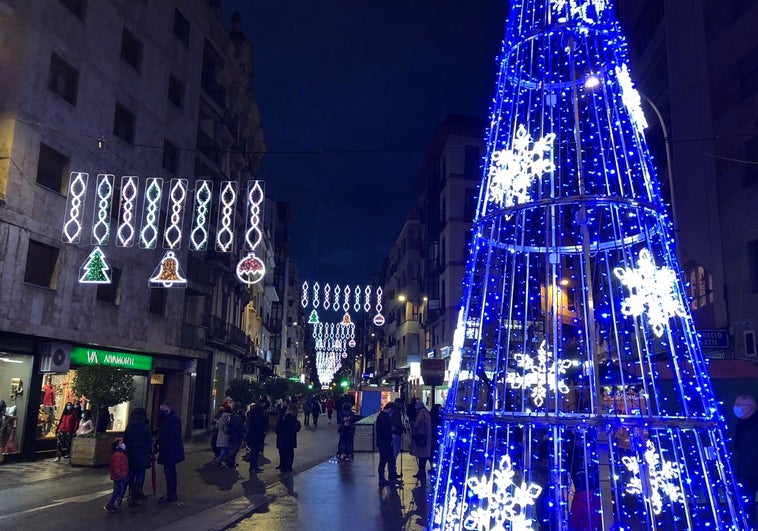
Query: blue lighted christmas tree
pixel 581 398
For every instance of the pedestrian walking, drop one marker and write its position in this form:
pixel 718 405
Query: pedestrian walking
pixel 307 408
pixel 346 429
pixel 315 411
pixel 119 475
pixel 257 426
pixel 222 437
pixel 387 461
pixel 138 438
pixel 329 408
pixel 214 430
pixel 170 449
pixel 746 452
pixel 64 432
pixel 421 432
pixel 236 434
pixel 287 438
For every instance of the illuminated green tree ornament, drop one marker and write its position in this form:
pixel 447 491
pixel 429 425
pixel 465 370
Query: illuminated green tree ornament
pixel 95 269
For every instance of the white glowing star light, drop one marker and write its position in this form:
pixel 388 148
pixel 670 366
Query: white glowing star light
pixel 513 171
pixel 651 291
pixel 663 476
pixel 539 375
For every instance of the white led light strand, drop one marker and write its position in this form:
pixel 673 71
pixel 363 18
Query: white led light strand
pixel 304 295
pixel 539 375
pixel 151 212
pixel 227 200
pixel 101 217
pixel 326 304
pixel 346 304
pixel 177 197
pixel 631 98
pixel 77 194
pixel 251 269
pixel 367 299
pixel 127 211
pixel 588 11
pixel 663 477
pixel 378 318
pixel 201 215
pixel 357 293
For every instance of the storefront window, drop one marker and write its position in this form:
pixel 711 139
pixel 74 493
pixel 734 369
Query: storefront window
pixel 15 373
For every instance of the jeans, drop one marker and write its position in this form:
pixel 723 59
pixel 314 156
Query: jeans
pixel 223 451
pixel 169 470
pixel 119 486
pixel 387 460
pixel 397 443
pixel 231 456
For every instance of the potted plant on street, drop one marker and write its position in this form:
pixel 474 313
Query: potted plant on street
pixel 104 387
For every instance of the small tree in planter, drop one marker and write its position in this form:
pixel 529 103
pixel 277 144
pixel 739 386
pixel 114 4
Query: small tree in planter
pixel 104 387
pixel 244 391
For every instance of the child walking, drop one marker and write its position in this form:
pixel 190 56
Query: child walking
pixel 119 475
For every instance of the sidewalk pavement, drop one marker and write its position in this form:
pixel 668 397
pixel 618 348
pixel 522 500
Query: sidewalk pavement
pixel 44 495
pixel 330 495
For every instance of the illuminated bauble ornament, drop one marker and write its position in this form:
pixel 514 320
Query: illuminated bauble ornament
pixel 168 273
pixel 351 343
pixel 378 319
pixel 250 269
pixel 344 354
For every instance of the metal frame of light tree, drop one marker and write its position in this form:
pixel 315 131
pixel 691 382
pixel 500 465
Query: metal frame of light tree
pixel 168 273
pixel 581 398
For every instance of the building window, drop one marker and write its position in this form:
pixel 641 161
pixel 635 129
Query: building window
pixel 750 344
pixel 52 167
pixel 123 124
pixel 170 157
pixel 471 163
pixel 110 293
pixel 131 49
pixel 41 264
pixel 158 301
pixel 176 92
pixel 63 79
pixel 700 287
pixel 77 7
pixel 181 28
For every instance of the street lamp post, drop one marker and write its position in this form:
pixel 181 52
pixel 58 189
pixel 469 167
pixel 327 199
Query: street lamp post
pixel 667 142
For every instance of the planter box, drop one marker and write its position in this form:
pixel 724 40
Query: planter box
pixel 91 451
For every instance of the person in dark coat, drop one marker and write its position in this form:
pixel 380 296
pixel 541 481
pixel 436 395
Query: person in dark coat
pixel 421 431
pixel 746 452
pixel 138 438
pixel 346 429
pixel 287 438
pixel 170 449
pixel 236 436
pixel 315 411
pixel 384 444
pixel 410 410
pixel 257 426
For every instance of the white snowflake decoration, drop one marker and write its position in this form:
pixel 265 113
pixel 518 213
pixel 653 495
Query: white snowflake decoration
pixel 500 500
pixel 473 328
pixel 579 9
pixel 651 290
pixel 539 375
pixel 631 98
pixel 453 510
pixel 663 476
pixel 513 171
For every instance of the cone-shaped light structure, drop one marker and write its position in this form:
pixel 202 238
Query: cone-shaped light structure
pixel 581 398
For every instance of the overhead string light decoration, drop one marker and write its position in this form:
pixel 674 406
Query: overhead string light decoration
pixel 168 273
pixel 126 231
pixel 151 213
pixel 201 215
pixel 95 269
pixel 580 397
pixel 74 214
pixel 227 201
pixel 250 268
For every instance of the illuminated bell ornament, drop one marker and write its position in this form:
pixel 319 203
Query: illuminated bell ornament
pixel 346 319
pixel 95 269
pixel 169 273
pixel 250 269
pixel 313 318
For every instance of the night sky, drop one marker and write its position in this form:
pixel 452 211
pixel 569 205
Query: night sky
pixel 350 93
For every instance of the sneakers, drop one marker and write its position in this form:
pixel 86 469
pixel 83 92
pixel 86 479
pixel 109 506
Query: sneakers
pixel 167 499
pixel 57 460
pixel 110 508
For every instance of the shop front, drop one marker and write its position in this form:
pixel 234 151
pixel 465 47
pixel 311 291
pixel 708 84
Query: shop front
pixel 15 375
pixel 56 391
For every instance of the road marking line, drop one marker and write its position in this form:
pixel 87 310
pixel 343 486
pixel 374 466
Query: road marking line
pixel 73 499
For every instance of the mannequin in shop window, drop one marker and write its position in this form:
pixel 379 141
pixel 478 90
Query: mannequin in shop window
pixel 8 421
pixel 48 404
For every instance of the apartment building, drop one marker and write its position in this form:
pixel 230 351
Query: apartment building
pixel 141 89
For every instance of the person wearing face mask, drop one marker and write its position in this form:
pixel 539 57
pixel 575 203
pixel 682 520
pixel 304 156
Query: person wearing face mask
pixel 746 452
pixel 170 449
pixel 64 432
pixel 119 475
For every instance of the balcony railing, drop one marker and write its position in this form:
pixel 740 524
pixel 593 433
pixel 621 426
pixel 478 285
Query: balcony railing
pixel 217 332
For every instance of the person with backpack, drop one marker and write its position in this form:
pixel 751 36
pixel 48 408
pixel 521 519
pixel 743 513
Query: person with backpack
pixel 346 429
pixel 222 439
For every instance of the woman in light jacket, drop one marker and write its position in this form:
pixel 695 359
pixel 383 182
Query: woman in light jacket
pixel 421 432
pixel 222 439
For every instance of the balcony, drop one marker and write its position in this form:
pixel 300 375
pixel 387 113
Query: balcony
pixel 238 340
pixel 193 336
pixel 216 330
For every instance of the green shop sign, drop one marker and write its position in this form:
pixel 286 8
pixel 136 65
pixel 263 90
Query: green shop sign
pixel 90 356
